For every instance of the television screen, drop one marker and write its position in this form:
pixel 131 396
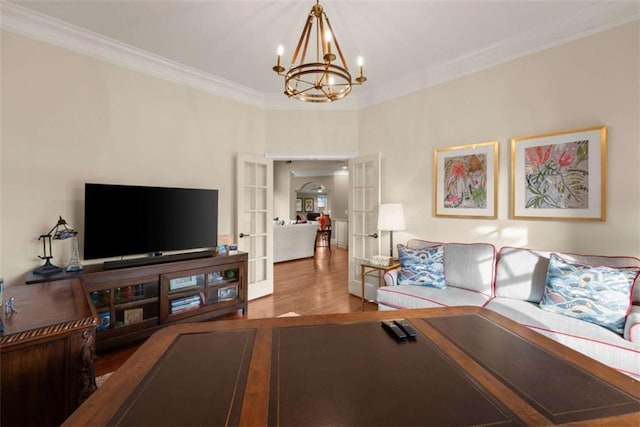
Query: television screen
pixel 127 220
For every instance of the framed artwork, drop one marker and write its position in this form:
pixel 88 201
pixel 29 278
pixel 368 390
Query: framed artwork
pixel 559 175
pixel 298 205
pixel 133 315
pixel 466 180
pixel 308 205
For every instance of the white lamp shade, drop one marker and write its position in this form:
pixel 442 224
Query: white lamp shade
pixel 391 217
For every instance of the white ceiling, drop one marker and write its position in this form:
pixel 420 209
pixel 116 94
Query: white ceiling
pixel 407 45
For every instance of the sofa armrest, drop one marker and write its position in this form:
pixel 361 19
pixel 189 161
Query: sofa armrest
pixel 391 278
pixel 632 325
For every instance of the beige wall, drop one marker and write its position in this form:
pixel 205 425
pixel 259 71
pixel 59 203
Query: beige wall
pixel 70 119
pixel 588 82
pixel 312 132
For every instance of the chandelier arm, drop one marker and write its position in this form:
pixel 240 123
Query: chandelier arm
pixel 321 37
pixel 306 90
pixel 307 36
pixel 335 41
pixel 298 80
pixel 305 31
pixel 328 95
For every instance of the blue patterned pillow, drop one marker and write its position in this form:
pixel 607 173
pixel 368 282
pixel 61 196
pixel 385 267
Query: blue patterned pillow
pixel 422 267
pixel 596 294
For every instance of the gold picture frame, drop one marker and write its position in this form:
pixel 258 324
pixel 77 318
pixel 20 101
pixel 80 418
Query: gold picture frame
pixel 466 181
pixel 560 175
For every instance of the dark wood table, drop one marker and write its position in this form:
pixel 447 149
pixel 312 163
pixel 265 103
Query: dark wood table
pixel 47 353
pixel 467 366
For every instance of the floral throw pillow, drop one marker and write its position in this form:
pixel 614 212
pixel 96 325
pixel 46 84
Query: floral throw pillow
pixel 596 294
pixel 423 267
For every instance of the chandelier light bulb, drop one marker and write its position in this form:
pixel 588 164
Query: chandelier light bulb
pixel 331 81
pixel 328 56
pixel 361 78
pixel 279 68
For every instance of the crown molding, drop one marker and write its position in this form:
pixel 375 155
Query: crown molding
pixel 595 19
pixel 28 23
pixel 310 156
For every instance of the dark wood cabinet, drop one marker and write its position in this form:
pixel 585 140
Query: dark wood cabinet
pixel 47 353
pixel 134 302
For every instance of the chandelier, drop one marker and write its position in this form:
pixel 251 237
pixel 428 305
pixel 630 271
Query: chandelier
pixel 326 77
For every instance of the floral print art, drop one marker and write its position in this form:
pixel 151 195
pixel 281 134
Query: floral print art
pixel 557 176
pixel 465 181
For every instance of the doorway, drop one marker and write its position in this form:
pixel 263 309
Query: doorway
pixel 310 187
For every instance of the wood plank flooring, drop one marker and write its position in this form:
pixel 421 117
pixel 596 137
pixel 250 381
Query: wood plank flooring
pixel 317 285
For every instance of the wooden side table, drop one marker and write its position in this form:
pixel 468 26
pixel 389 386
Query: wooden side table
pixel 47 352
pixel 367 269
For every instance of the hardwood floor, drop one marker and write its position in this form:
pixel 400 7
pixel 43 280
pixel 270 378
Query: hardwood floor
pixel 317 285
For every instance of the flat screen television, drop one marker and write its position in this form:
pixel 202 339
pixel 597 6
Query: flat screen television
pixel 129 220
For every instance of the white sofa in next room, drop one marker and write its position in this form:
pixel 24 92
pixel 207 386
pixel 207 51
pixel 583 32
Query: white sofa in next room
pixel 512 282
pixel 293 241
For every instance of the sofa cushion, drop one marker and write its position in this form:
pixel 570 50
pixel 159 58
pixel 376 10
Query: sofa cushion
pixel 592 340
pixel 632 325
pixel 596 294
pixel 522 273
pixel 470 266
pixel 422 267
pixel 410 296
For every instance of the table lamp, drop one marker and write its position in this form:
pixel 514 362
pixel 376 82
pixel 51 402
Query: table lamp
pixel 60 231
pixel 391 218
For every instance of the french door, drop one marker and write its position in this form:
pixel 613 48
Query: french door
pixel 254 210
pixel 364 198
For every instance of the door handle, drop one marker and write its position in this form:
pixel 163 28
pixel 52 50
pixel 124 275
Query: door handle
pixel 374 235
pixel 244 235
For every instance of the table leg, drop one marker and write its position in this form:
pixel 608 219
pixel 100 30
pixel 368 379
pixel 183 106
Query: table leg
pixel 362 276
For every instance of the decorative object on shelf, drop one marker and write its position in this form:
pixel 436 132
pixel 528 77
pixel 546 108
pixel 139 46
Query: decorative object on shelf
pixel 74 262
pixel 391 218
pixel 9 306
pixel 326 77
pixel 560 175
pixel 298 204
pixel 381 260
pixel 133 315
pixel 466 181
pixel 60 231
pixel 104 321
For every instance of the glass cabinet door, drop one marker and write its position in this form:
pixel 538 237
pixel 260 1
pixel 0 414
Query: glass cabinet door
pixel 186 293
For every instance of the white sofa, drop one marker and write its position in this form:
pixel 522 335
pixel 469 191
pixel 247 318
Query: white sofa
pixel 293 241
pixel 511 282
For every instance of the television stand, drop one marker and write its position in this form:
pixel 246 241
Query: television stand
pixel 134 302
pixel 139 262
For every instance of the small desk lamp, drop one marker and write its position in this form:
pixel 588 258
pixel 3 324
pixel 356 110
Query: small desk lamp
pixel 60 231
pixel 391 218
